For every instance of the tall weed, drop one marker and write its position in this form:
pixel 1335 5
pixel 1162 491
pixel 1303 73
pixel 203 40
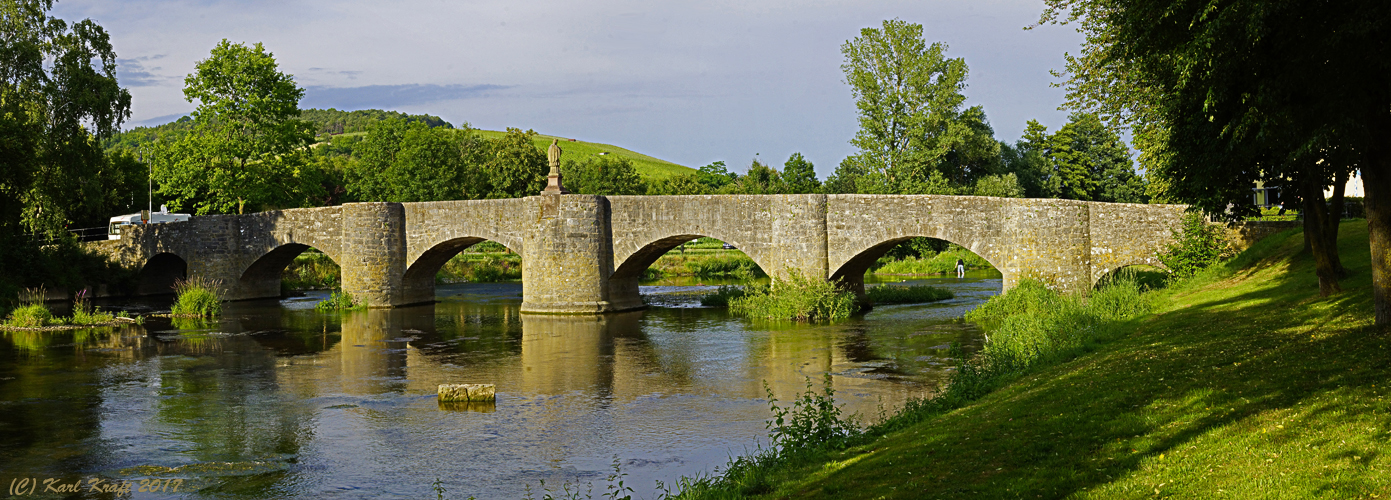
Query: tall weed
pixel 340 301
pixel 197 297
pixel 812 422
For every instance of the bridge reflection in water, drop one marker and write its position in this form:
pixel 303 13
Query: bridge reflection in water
pixel 315 404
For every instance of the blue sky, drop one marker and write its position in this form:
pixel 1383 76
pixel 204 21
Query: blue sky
pixel 690 82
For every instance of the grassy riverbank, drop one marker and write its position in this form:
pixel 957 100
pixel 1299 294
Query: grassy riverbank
pixel 943 262
pixel 1239 382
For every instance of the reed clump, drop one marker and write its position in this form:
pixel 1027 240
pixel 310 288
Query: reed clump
pixel 894 294
pixel 197 297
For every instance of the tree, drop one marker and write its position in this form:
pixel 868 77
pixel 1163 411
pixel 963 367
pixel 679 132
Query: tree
pixel 715 176
pixel 908 95
pixel 246 147
pixel 760 179
pixel 603 175
pixel 58 99
pixel 1000 186
pixel 799 176
pixel 1220 95
pixel 1084 160
pixel 1026 160
pixel 974 153
pixel 407 161
pixel 685 184
pixel 514 167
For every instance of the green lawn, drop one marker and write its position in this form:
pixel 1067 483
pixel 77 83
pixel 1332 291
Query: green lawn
pixel 647 166
pixel 1243 383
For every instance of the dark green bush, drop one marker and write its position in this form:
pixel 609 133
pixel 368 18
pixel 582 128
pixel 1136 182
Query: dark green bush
pixel 1197 245
pixel 796 298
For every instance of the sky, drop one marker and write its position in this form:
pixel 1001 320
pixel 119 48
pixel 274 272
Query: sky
pixel 688 82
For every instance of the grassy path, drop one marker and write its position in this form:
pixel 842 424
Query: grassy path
pixel 1244 383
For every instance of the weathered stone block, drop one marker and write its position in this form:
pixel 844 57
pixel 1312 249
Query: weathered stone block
pixel 467 392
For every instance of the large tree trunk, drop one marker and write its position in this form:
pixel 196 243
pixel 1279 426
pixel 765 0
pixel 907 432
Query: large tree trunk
pixel 1376 178
pixel 1335 216
pixel 1315 222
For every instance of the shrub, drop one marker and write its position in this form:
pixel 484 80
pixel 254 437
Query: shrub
pixel 480 268
pixel 30 316
pixel 722 296
pixel 795 298
pixel 812 422
pixel 197 297
pixel 1197 245
pixel 339 302
pixel 732 266
pixel 32 313
pixel 893 294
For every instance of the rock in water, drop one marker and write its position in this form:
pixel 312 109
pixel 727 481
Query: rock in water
pixel 467 392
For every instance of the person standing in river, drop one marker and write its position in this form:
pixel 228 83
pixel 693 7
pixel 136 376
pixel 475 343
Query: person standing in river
pixel 960 269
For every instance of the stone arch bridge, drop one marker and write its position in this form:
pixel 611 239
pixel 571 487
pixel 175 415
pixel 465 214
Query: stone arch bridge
pixel 585 254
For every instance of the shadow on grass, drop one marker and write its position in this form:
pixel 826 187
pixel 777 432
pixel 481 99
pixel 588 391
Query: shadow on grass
pixel 1249 379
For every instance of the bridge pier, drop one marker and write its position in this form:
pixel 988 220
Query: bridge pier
pixel 374 253
pixel 567 257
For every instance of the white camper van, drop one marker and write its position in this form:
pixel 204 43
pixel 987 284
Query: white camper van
pixel 114 229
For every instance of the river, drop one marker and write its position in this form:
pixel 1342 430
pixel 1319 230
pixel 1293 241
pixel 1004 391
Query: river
pixel 277 400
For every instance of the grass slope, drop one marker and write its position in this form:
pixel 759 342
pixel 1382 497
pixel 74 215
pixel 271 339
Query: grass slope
pixel 647 166
pixel 1243 383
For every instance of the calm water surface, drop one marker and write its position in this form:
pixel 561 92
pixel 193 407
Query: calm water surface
pixel 276 400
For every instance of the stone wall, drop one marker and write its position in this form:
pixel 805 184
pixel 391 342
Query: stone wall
pixel 238 251
pixel 1124 234
pixel 1246 233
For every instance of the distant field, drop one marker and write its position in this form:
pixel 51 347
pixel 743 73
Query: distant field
pixel 647 166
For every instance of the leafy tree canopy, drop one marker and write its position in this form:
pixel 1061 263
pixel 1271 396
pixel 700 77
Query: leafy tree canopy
pixel 1084 160
pixel 58 98
pixel 247 145
pixel 603 175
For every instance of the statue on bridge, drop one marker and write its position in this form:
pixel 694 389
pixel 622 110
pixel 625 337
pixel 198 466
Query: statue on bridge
pixel 553 180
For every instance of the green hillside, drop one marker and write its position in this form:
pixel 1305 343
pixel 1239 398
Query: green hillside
pixel 336 123
pixel 647 166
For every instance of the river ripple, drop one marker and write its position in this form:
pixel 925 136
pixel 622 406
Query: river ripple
pixel 276 400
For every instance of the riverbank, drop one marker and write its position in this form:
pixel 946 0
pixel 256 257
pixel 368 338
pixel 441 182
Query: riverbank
pixel 1240 382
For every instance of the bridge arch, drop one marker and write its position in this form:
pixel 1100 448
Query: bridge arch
pixel 159 273
pixel 851 274
pixel 635 263
pixel 263 276
pixel 419 279
pixel 1142 272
